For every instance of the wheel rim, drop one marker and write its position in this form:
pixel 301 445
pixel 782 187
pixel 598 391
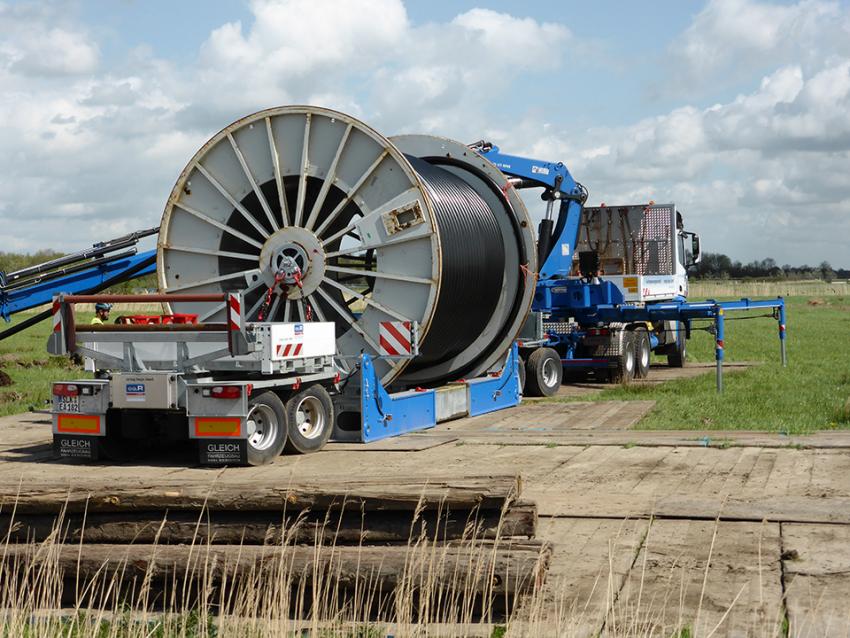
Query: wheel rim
pixel 630 360
pixel 263 427
pixel 550 373
pixel 644 354
pixel 310 417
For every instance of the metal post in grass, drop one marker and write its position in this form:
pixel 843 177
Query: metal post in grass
pixel 782 334
pixel 718 346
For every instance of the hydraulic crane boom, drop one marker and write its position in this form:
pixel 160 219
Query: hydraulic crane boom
pixel 557 238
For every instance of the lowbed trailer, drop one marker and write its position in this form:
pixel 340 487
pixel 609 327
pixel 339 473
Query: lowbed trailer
pixel 242 391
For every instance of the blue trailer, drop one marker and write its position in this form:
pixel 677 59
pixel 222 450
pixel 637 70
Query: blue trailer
pixel 612 284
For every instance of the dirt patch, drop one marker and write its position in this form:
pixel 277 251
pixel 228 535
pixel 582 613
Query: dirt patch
pixel 5 379
pixel 10 396
pixel 50 362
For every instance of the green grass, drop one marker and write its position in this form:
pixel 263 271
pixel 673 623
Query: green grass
pixel 812 393
pixel 24 358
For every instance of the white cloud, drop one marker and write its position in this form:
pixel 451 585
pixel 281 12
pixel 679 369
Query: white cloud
pixel 31 47
pixel 762 175
pixel 90 153
pixel 729 39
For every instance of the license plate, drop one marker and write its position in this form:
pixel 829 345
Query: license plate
pixel 68 404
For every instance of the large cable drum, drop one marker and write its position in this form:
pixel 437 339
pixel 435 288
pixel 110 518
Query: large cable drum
pixel 414 229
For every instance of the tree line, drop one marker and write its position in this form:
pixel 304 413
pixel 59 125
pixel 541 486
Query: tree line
pixel 720 266
pixel 711 266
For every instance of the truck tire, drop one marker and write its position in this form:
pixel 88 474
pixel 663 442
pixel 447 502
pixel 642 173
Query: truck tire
pixel 643 352
pixel 543 373
pixel 625 370
pixel 311 420
pixel 267 428
pixel 678 349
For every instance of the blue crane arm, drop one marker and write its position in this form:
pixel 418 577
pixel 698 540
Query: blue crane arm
pixel 104 264
pixel 41 292
pixel 556 238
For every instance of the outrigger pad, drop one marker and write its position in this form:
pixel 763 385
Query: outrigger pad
pixel 67 446
pixel 223 451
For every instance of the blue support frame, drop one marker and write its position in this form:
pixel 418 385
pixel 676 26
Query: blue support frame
pixel 38 294
pixel 384 415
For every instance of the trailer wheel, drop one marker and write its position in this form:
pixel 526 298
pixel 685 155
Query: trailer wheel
pixel 625 370
pixel 543 373
pixel 267 428
pixel 678 349
pixel 643 350
pixel 311 420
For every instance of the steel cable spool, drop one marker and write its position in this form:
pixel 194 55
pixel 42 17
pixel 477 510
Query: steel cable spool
pixel 413 229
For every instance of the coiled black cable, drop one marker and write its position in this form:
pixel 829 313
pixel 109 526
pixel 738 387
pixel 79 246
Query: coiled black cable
pixel 473 265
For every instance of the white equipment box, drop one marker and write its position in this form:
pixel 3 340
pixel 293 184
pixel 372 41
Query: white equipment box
pixel 286 341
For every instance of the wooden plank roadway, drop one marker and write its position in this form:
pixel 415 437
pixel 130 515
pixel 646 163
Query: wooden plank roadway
pixel 784 512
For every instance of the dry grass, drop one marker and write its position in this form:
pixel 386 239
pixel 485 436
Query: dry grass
pixel 720 288
pixel 274 599
pixel 278 597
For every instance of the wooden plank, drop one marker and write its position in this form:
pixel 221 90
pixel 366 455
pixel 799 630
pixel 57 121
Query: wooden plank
pixel 789 509
pixel 669 588
pixel 816 560
pixel 389 493
pixel 404 443
pixel 555 417
pixel 590 560
pixel 717 439
pixel 505 569
pixel 258 528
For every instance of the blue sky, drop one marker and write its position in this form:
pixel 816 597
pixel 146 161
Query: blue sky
pixel 737 110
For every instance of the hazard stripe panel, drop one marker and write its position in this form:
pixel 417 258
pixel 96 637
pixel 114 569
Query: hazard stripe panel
pixel 234 312
pixel 289 349
pixel 57 317
pixel 78 423
pixel 394 338
pixel 218 426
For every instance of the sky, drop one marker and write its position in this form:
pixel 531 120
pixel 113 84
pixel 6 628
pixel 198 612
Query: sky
pixel 736 110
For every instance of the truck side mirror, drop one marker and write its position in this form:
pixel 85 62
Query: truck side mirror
pixel 695 252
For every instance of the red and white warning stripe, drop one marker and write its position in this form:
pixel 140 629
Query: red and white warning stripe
pixel 289 349
pixel 57 317
pixel 234 312
pixel 395 338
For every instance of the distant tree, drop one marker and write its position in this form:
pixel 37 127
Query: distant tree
pixel 826 271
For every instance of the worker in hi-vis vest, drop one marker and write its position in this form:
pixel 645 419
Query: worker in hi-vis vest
pixel 101 314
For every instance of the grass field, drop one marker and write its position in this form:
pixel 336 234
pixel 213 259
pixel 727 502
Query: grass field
pixel 24 360
pixel 717 288
pixel 812 393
